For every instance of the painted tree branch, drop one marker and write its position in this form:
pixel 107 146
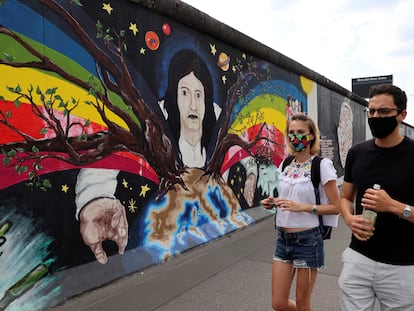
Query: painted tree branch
pixel 225 139
pixel 165 164
pixel 145 138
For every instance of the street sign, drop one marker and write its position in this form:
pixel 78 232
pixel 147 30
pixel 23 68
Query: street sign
pixel 360 86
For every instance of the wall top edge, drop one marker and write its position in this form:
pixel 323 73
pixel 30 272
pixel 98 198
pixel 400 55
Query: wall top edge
pixel 188 15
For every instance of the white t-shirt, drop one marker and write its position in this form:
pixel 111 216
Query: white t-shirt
pixel 193 156
pixel 295 184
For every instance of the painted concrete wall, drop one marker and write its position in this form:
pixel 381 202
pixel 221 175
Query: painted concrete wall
pixel 132 131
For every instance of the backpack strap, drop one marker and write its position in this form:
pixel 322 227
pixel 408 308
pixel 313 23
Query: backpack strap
pixel 316 179
pixel 287 161
pixel 316 176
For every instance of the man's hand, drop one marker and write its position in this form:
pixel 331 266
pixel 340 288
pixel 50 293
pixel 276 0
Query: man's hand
pixel 104 219
pixel 361 228
pixel 377 200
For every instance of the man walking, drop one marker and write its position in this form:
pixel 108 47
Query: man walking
pixel 379 262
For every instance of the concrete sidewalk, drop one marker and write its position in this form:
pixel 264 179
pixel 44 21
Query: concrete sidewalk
pixel 231 273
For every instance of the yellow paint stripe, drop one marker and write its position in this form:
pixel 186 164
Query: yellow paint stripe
pixel 264 108
pixel 264 115
pixel 26 77
pixel 307 84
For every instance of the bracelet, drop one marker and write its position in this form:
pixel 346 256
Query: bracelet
pixel 314 209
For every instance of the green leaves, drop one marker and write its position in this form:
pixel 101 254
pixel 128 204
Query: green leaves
pixel 51 91
pixel 16 89
pixel 11 155
pixel 8 156
pixel 21 169
pixel 11 158
pixel 36 182
pixel 82 137
pixel 35 149
pixel 6 161
pixel 101 34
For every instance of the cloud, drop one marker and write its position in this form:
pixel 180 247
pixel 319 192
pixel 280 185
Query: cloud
pixel 341 39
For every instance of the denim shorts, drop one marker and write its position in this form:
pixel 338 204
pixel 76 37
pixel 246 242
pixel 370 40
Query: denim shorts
pixel 302 249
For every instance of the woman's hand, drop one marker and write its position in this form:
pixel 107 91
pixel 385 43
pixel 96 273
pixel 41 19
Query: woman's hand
pixel 268 203
pixel 289 205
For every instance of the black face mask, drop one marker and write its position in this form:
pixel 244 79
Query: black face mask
pixel 382 127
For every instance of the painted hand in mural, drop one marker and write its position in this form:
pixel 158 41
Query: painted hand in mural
pixel 250 188
pixel 104 219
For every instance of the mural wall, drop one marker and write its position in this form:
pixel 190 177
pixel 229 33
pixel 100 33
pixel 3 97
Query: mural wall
pixel 128 137
pixel 342 123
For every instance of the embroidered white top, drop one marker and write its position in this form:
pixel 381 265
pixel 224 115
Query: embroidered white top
pixel 295 184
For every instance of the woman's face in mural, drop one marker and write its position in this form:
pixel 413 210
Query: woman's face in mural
pixel 191 103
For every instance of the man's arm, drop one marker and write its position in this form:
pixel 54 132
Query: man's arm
pixel 380 201
pixel 361 228
pixel 102 217
pixel 346 203
pixel 94 183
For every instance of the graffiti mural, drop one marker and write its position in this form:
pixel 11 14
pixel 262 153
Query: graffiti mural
pixel 342 123
pixel 127 138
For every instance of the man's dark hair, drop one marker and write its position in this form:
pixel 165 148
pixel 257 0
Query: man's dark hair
pixel 400 98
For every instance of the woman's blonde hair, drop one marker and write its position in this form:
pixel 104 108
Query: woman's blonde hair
pixel 315 144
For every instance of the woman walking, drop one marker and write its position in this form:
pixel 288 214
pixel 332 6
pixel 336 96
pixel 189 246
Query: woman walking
pixel 299 246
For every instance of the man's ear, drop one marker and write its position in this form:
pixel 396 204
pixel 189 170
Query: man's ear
pixel 403 114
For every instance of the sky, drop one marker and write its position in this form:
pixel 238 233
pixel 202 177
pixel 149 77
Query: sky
pixel 339 39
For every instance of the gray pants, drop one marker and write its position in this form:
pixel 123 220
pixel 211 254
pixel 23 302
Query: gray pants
pixel 363 280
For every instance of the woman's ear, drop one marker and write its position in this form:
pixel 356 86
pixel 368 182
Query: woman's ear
pixel 312 136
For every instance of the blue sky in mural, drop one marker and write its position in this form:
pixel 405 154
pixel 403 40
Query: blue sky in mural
pixel 340 40
pixel 25 26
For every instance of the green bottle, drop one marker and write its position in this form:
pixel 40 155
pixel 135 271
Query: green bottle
pixel 4 228
pixel 23 285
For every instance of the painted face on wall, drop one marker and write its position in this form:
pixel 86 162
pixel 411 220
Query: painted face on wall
pixel 191 103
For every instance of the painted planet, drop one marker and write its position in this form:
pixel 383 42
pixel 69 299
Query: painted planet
pixel 166 29
pixel 152 40
pixel 223 61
